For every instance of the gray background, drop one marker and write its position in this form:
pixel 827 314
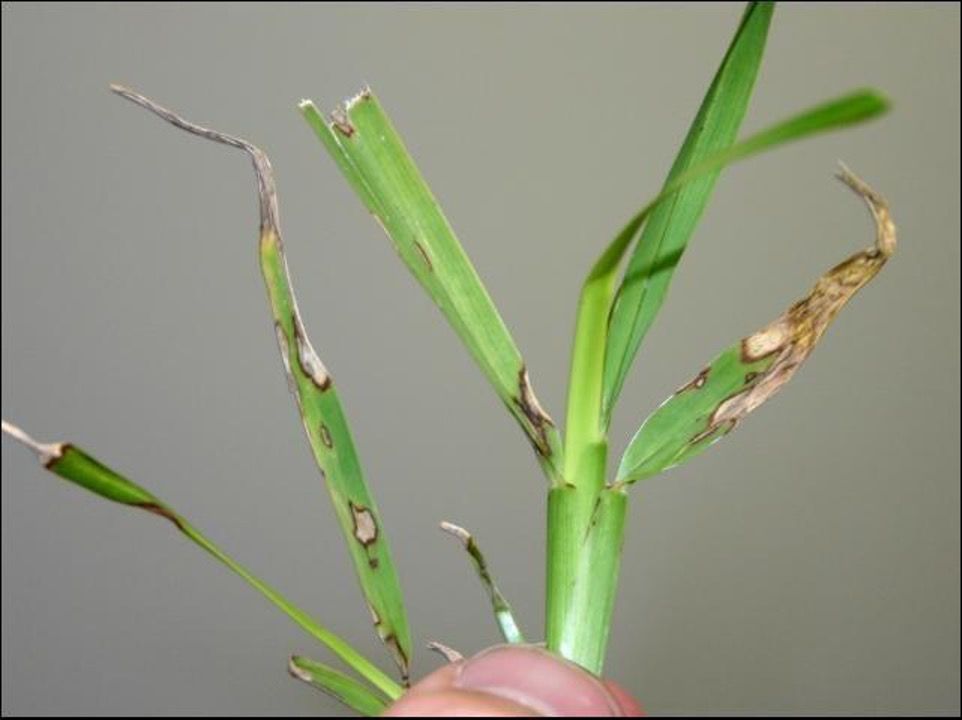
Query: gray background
pixel 810 563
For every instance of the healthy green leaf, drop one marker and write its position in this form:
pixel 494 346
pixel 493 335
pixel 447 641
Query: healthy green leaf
pixel 320 409
pixel 75 465
pixel 336 684
pixel 371 155
pixel 752 370
pixel 502 610
pixel 669 228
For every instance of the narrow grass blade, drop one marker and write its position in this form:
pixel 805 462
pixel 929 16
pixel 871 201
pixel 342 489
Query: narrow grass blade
pixel 502 610
pixel 371 155
pixel 669 228
pixel 338 685
pixel 75 465
pixel 320 409
pixel 752 370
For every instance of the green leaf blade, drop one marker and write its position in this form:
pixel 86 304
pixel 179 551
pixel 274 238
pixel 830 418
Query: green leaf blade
pixel 80 468
pixel 338 685
pixel 320 410
pixel 370 153
pixel 503 614
pixel 751 371
pixel 332 446
pixel 670 226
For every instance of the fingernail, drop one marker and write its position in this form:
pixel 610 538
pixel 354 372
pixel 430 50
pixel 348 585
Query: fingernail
pixel 539 680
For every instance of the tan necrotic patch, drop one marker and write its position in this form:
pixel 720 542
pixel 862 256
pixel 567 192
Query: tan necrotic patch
pixel 310 363
pixel 539 420
pixel 424 256
pixel 283 346
pixel 792 337
pixel 697 382
pixel 341 123
pixel 326 436
pixel 365 530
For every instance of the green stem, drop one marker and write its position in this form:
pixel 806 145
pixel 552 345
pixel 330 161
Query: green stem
pixel 572 504
pixel 584 557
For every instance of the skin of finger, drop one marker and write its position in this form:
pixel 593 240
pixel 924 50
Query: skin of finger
pixel 456 703
pixel 532 676
pixel 515 680
pixel 629 706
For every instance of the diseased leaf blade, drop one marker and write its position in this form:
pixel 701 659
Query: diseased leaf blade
pixel 363 142
pixel 503 614
pixel 78 467
pixel 597 292
pixel 320 410
pixel 752 370
pixel 670 226
pixel 338 685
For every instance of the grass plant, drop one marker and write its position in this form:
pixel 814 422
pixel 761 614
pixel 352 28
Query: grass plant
pixel 619 301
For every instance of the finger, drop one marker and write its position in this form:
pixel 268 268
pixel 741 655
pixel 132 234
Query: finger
pixel 629 706
pixel 456 703
pixel 539 680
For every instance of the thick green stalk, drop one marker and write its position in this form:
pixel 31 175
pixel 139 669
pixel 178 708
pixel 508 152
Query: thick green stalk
pixel 583 563
pixel 571 503
pixel 73 464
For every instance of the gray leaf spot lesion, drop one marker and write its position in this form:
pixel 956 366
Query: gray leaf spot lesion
pixel 326 437
pixel 422 251
pixel 766 341
pixel 310 363
pixel 696 383
pixel 789 339
pixel 340 121
pixel 375 618
pixel 365 530
pixel 538 419
pixel 282 344
pixel 400 658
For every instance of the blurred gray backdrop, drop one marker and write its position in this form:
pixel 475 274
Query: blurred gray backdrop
pixel 808 564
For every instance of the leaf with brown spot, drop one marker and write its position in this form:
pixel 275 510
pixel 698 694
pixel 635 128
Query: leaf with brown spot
pixel 338 685
pixel 322 414
pixel 366 147
pixel 752 370
pixel 77 467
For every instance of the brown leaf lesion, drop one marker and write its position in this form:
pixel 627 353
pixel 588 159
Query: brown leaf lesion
pixel 365 530
pixel 697 382
pixel 326 437
pixel 792 336
pixel 539 420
